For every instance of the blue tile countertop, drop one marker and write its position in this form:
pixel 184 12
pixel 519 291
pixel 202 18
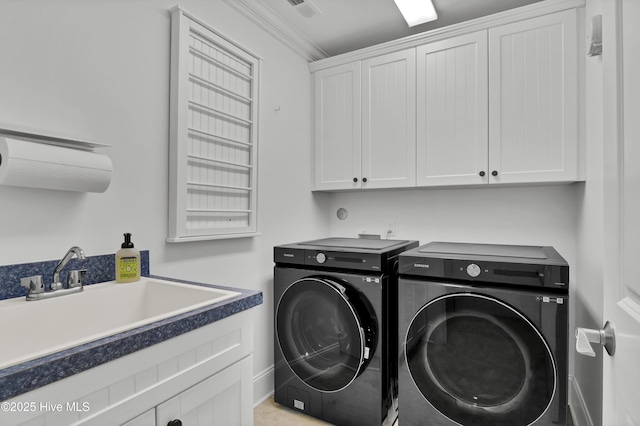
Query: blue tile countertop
pixel 33 374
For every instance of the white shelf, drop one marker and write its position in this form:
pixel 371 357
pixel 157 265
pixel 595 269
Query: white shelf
pixel 213 128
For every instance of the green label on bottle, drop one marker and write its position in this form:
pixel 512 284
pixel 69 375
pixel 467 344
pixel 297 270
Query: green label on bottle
pixel 128 267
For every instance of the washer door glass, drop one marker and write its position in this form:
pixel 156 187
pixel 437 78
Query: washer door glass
pixel 479 361
pixel 324 331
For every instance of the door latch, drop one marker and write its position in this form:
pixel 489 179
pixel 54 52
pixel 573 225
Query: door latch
pixel 605 337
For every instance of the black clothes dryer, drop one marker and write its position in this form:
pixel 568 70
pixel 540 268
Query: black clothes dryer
pixel 483 335
pixel 335 311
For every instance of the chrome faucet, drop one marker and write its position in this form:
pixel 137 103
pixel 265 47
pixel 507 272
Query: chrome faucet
pixel 74 281
pixel 56 284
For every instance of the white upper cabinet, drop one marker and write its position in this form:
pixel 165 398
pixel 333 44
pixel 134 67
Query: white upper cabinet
pixel 365 124
pixel 337 127
pixel 452 110
pixel 533 101
pixel 490 102
pixel 389 120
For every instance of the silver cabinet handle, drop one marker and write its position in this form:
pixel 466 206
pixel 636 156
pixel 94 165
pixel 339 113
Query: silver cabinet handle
pixel 605 337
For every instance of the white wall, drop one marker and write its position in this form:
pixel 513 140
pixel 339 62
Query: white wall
pixel 99 70
pixel 533 215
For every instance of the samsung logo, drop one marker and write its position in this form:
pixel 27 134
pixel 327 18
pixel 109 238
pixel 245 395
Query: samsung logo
pixel 420 265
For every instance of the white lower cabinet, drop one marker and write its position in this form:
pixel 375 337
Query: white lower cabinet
pixel 201 377
pixel 217 400
pixel 148 418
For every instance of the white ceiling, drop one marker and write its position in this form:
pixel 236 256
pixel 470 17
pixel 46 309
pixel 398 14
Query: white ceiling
pixel 347 25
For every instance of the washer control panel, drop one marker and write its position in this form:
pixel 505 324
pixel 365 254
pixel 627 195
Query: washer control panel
pixel 349 254
pixel 533 266
pixel 326 259
pixel 331 259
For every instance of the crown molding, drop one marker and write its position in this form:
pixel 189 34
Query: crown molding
pixel 265 18
pixel 513 15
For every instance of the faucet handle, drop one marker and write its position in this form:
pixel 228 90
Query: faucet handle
pixel 75 278
pixel 34 284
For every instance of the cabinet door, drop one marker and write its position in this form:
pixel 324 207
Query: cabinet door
pixel 389 120
pixel 452 111
pixel 226 398
pixel 148 418
pixel 337 127
pixel 533 128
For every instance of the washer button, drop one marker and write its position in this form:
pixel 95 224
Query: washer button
pixel 321 257
pixel 473 270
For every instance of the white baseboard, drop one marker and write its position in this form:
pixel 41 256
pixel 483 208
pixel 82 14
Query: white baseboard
pixel 262 386
pixel 577 405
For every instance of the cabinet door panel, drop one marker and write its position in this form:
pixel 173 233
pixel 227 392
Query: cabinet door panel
pixel 388 120
pixel 148 418
pixel 452 111
pixel 337 127
pixel 226 398
pixel 533 131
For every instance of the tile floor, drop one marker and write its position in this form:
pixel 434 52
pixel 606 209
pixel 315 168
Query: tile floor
pixel 271 414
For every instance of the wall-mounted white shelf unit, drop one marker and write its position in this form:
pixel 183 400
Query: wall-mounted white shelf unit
pixel 213 134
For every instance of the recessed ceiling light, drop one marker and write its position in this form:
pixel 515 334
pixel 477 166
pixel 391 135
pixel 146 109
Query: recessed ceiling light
pixel 417 12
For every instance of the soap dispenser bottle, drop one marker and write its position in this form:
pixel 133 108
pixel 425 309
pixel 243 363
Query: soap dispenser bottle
pixel 127 262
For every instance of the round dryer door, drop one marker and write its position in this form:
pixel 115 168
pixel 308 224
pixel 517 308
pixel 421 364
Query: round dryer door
pixel 479 361
pixel 325 332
